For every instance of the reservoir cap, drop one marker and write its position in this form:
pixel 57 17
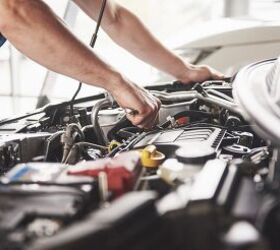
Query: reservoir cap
pixel 195 153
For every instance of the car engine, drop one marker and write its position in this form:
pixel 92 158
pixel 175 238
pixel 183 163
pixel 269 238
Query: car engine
pixel 88 179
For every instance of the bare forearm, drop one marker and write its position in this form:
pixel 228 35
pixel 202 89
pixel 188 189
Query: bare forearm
pixel 42 36
pixel 130 33
pixel 144 45
pixel 34 29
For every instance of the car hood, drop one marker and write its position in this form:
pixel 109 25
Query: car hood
pixel 256 89
pixel 226 32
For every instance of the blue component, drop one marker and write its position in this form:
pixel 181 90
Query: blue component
pixel 2 40
pixel 24 171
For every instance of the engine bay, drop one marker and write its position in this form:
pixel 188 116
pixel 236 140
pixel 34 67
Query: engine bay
pixel 91 180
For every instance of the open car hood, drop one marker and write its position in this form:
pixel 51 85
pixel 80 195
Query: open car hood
pixel 256 89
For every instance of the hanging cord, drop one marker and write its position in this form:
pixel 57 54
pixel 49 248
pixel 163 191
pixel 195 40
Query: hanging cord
pixel 92 44
pixel 68 138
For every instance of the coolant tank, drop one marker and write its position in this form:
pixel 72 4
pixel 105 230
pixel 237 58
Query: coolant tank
pixel 172 170
pixel 195 153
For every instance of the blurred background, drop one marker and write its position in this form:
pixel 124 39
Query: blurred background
pixel 226 34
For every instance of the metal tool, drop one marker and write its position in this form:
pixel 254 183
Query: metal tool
pixel 132 112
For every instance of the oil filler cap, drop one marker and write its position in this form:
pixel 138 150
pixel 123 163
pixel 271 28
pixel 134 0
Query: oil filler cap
pixel 151 158
pixel 195 153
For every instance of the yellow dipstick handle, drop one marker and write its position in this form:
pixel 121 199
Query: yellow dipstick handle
pixel 113 144
pixel 151 158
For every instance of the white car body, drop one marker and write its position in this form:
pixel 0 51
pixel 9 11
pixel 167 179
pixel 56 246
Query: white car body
pixel 228 44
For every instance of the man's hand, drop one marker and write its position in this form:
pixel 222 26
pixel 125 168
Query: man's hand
pixel 130 96
pixel 199 73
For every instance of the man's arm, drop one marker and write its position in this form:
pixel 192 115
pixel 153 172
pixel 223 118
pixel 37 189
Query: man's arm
pixel 32 27
pixel 129 32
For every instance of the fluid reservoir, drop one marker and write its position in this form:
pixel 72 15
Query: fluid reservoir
pixel 195 154
pixel 190 159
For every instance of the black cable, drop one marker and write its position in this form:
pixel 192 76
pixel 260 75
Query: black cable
pixel 92 44
pixel 79 146
pixel 122 123
pixel 49 141
pixel 123 146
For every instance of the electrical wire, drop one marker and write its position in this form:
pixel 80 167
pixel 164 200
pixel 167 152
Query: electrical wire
pixel 68 138
pixel 92 44
pixel 79 145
